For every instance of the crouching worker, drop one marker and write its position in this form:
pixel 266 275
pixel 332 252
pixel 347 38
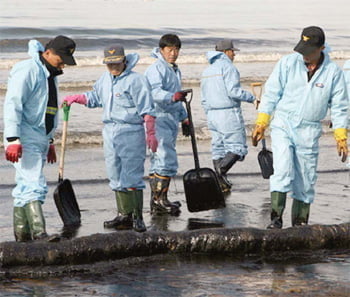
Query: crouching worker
pixel 125 97
pixel 30 120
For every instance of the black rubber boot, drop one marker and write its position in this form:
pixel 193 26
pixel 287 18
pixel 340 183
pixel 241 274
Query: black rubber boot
pixel 21 225
pixel 159 202
pixel 300 213
pixel 138 223
pixel 125 205
pixel 225 184
pixel 278 203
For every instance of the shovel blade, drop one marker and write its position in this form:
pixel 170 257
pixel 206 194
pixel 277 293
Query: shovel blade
pixel 67 204
pixel 202 190
pixel 265 160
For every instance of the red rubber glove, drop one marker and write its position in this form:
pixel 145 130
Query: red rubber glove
pixel 179 96
pixel 151 139
pixel 80 99
pixel 14 151
pixel 51 155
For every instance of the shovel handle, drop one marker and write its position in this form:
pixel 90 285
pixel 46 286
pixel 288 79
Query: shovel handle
pixel 192 133
pixel 66 109
pixel 256 89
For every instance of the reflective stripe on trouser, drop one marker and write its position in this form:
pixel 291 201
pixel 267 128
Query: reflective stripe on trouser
pixel 30 180
pixel 125 150
pixel 164 161
pixel 295 155
pixel 228 132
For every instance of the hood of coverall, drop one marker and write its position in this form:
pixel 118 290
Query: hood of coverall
pixel 131 61
pixel 212 56
pixel 157 54
pixel 34 47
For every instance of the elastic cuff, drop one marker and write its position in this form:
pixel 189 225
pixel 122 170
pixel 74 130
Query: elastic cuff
pixel 263 119
pixel 340 134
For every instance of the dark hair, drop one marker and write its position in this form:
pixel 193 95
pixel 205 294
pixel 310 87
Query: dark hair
pixel 169 40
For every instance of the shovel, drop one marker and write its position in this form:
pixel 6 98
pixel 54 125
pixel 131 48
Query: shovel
pixel 64 196
pixel 257 91
pixel 265 160
pixel 201 185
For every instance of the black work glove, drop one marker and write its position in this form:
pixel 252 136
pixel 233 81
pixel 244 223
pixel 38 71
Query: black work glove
pixel 186 128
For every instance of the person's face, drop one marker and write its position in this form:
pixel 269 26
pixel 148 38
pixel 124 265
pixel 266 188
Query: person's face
pixel 230 53
pixel 170 53
pixel 314 56
pixel 116 68
pixel 53 59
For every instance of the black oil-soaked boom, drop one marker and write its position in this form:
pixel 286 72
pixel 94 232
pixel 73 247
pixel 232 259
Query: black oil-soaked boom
pixel 123 244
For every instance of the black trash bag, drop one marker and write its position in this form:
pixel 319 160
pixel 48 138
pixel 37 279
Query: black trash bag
pixel 265 160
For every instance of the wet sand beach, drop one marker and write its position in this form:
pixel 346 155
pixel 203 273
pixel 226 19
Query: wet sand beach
pixel 319 274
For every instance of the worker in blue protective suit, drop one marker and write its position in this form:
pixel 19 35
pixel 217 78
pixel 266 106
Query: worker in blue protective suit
pixel 127 103
pixel 165 79
pixel 299 92
pixel 30 120
pixel 347 74
pixel 221 99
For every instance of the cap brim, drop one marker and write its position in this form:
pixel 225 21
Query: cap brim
pixel 68 60
pixel 305 49
pixel 110 60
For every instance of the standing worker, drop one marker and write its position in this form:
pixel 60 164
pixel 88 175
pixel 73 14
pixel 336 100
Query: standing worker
pixel 221 99
pixel 125 97
pixel 30 120
pixel 299 92
pixel 165 79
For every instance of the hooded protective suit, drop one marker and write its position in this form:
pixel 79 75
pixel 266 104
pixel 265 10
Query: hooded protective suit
pixel 165 80
pixel 221 97
pixel 24 117
pixel 347 79
pixel 299 105
pixel 125 100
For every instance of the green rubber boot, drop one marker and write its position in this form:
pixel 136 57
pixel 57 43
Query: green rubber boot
pixel 278 203
pixel 21 225
pixel 36 220
pixel 125 205
pixel 300 213
pixel 138 223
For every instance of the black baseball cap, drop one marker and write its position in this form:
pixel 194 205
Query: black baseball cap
pixel 312 38
pixel 64 47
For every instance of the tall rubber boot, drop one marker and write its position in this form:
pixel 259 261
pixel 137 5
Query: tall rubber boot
pixel 125 205
pixel 160 203
pixel 225 185
pixel 36 220
pixel 138 223
pixel 226 164
pixel 21 225
pixel 278 203
pixel 300 213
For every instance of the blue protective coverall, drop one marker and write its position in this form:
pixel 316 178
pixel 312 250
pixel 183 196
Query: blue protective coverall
pixel 24 117
pixel 347 80
pixel 165 81
pixel 125 99
pixel 221 97
pixel 299 105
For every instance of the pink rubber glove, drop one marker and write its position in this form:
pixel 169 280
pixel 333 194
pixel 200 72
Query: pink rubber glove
pixel 151 139
pixel 179 96
pixel 80 99
pixel 14 151
pixel 51 155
